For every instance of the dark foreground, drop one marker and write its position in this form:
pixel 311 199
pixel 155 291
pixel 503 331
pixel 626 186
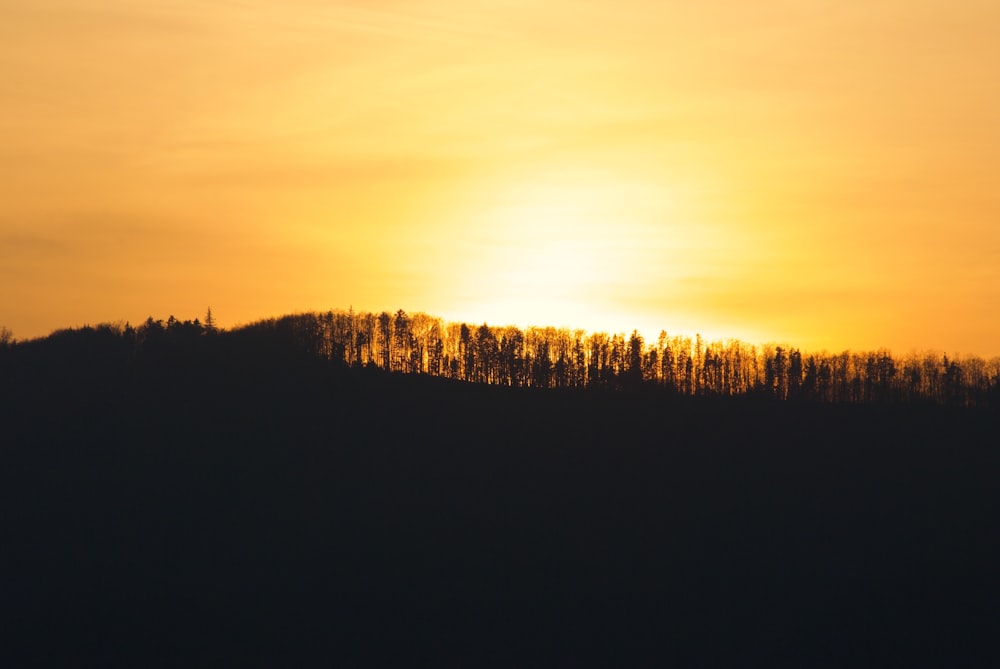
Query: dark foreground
pixel 261 516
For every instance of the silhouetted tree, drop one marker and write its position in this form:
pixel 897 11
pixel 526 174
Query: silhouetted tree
pixel 401 342
pixel 794 377
pixel 385 339
pixel 635 348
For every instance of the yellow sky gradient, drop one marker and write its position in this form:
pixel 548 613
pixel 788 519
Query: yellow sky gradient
pixel 810 172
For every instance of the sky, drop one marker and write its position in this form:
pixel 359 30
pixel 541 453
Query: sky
pixel 808 172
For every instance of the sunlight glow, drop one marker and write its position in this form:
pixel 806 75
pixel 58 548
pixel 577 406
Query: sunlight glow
pixel 556 247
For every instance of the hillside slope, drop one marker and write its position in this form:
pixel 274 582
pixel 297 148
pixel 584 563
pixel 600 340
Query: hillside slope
pixel 297 512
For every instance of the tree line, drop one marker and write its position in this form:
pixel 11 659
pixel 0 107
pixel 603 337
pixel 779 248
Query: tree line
pixel 549 357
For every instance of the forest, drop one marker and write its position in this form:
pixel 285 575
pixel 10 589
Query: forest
pixel 548 357
pixel 356 489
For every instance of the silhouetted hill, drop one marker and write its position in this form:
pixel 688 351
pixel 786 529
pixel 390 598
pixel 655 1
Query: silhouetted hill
pixel 235 501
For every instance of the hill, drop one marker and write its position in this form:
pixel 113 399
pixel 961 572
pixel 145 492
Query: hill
pixel 248 505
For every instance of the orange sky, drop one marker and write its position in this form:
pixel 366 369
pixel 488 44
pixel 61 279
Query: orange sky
pixel 816 173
